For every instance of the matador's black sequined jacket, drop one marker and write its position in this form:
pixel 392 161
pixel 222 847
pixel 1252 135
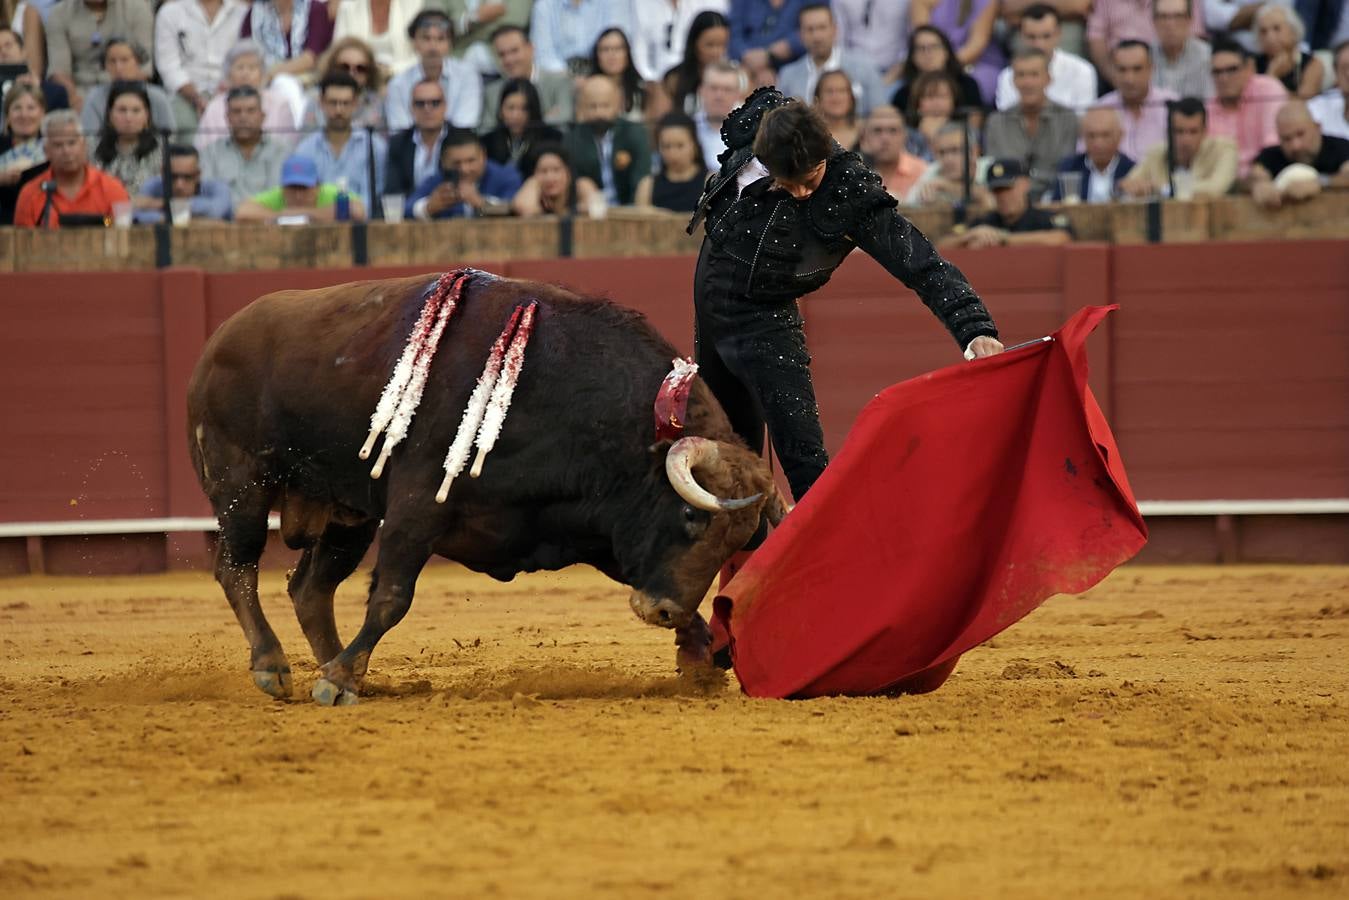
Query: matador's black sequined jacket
pixel 789 247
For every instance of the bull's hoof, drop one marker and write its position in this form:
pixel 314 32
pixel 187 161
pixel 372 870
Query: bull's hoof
pixel 326 693
pixel 274 684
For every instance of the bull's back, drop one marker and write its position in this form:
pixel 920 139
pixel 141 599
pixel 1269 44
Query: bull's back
pixel 299 371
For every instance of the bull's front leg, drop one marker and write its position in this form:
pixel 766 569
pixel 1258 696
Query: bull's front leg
pixel 693 645
pixel 402 555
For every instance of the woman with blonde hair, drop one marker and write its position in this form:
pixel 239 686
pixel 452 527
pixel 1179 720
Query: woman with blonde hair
pixel 383 24
pixel 356 58
pixel 20 143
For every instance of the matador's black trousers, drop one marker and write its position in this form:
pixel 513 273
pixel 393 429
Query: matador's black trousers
pixel 753 356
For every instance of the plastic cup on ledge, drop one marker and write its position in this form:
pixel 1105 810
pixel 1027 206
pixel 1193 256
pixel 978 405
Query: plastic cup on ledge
pixel 393 207
pixel 1184 183
pixel 181 208
pixel 1070 188
pixel 121 213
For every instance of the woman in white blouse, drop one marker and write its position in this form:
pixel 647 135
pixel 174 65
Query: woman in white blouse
pixel 383 24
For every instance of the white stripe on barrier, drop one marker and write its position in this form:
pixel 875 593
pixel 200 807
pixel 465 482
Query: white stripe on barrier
pixel 1243 507
pixel 116 526
pixel 1157 508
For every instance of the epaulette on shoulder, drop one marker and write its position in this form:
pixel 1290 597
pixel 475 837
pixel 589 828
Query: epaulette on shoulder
pixel 743 122
pixel 849 191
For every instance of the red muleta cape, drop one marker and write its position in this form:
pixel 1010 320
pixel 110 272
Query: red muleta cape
pixel 960 501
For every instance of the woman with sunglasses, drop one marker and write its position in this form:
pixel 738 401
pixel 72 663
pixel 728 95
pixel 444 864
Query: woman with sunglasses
pixel 383 25
pixel 354 57
pixel 788 205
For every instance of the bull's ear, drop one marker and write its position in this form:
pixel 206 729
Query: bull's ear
pixel 660 448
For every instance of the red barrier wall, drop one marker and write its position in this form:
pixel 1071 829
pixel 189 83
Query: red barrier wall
pixel 1225 374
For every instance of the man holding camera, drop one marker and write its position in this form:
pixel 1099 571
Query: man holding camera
pixel 468 183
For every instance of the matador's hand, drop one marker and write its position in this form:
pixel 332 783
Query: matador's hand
pixel 983 345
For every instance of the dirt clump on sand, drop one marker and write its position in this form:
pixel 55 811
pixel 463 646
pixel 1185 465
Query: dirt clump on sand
pixel 1176 732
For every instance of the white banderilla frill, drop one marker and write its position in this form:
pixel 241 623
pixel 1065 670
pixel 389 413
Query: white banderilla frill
pixel 491 399
pixel 402 395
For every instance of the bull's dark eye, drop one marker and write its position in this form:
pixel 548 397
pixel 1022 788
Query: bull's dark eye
pixel 695 522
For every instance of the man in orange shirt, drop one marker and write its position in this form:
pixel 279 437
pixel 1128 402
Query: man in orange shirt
pixel 69 186
pixel 882 143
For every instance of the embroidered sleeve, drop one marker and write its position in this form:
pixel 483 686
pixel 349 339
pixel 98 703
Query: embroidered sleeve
pixel 905 252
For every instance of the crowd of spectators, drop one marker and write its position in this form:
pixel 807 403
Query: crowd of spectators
pixel 314 110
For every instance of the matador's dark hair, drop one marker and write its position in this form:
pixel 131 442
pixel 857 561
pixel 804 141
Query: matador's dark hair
pixel 792 139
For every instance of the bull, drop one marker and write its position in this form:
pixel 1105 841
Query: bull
pixel 279 405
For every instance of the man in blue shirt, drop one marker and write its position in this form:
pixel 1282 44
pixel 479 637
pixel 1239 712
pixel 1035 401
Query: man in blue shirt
pixel 468 183
pixel 210 199
pixel 341 154
pixel 764 33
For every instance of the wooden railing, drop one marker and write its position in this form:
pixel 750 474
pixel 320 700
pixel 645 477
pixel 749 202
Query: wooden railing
pixel 219 247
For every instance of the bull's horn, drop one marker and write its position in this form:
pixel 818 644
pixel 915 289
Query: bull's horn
pixel 684 455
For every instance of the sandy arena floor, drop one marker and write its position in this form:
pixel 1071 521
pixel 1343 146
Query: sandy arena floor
pixel 1174 733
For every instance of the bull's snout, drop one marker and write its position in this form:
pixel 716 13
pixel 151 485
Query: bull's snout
pixel 662 612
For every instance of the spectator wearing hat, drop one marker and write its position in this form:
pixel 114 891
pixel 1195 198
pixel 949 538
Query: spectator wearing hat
pixel 430 33
pixel 1015 221
pixel 299 197
pixel 468 183
pixel 1205 164
pixel 1102 166
pixel 1320 161
pixel 210 199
